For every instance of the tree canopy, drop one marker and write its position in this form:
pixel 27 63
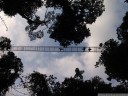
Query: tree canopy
pixel 5 43
pixel 25 8
pixel 114 55
pixel 11 66
pixel 42 85
pixel 38 84
pixel 122 30
pixel 70 25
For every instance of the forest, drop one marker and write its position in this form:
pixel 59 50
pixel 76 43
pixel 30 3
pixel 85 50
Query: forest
pixel 66 23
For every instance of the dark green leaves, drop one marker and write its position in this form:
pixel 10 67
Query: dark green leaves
pixel 70 26
pixel 22 7
pixel 11 66
pixel 5 44
pixel 122 31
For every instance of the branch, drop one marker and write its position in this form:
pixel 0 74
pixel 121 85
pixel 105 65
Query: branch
pixel 31 21
pixel 4 23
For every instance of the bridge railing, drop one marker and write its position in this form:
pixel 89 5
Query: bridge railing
pixel 56 49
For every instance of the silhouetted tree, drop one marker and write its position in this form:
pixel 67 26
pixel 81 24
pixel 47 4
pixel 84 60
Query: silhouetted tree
pixel 107 49
pixel 73 87
pixel 122 31
pixel 78 73
pixel 67 28
pixel 78 87
pixel 126 1
pixel 11 67
pixel 114 57
pixel 25 8
pixel 121 88
pixel 37 84
pixel 70 25
pixel 5 44
pixel 100 86
pixel 41 85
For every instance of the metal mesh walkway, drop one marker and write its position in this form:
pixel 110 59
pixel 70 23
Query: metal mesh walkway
pixel 55 49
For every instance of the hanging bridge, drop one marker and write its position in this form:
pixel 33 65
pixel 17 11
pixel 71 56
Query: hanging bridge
pixel 56 49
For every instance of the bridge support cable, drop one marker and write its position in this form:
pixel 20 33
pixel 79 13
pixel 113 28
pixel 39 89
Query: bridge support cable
pixel 55 49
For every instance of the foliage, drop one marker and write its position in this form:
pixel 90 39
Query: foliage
pixel 25 8
pixel 126 1
pixel 70 25
pixel 77 87
pixel 10 66
pixel 72 87
pixel 122 31
pixel 40 85
pixel 78 74
pixel 114 57
pixel 107 49
pixel 100 86
pixel 122 88
pixel 67 27
pixel 5 43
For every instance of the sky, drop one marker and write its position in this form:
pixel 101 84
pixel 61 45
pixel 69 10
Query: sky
pixel 63 64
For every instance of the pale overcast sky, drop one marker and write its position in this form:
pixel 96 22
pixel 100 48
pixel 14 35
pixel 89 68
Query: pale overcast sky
pixel 63 64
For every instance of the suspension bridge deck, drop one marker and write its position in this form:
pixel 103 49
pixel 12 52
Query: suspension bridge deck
pixel 55 49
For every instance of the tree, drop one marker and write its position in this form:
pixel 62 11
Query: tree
pixel 114 57
pixel 11 67
pixel 122 30
pixel 38 85
pixel 67 27
pixel 126 1
pixel 107 49
pixel 78 73
pixel 73 86
pixel 70 25
pixel 41 85
pixel 121 88
pixel 78 87
pixel 5 43
pixel 100 86
pixel 25 8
